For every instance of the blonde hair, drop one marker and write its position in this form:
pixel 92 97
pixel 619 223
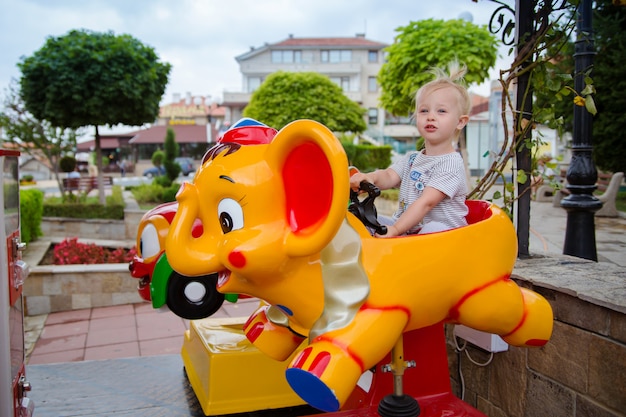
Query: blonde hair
pixel 453 77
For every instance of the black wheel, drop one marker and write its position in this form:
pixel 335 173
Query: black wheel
pixel 193 297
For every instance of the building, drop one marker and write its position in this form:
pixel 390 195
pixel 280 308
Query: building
pixel 353 63
pixel 195 120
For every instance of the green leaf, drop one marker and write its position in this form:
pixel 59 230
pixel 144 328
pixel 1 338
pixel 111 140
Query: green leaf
pixel 587 90
pixel 590 105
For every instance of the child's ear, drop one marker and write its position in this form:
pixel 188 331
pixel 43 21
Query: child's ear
pixel 462 121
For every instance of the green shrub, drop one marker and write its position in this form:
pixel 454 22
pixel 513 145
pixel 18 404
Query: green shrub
pixel 157 158
pixel 163 180
pixel 169 194
pixel 116 197
pixel 84 211
pixel 67 163
pixel 148 193
pixel 155 193
pixel 87 208
pixel 390 194
pixel 620 201
pixel 31 212
pixel 369 157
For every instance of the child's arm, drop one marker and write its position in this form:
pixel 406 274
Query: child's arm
pixel 415 212
pixel 382 178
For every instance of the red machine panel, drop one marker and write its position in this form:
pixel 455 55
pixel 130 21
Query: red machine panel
pixel 13 384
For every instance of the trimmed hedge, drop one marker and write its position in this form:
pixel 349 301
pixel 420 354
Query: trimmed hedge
pixel 368 157
pixel 31 212
pixel 114 208
pixel 84 211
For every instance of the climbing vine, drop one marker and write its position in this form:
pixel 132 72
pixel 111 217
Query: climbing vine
pixel 538 58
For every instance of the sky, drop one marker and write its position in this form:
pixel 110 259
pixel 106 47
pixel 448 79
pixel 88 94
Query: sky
pixel 201 38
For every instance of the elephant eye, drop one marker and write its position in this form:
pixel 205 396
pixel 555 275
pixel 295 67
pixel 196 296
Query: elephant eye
pixel 150 245
pixel 231 215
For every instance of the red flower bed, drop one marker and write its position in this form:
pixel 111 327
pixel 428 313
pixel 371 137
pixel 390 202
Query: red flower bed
pixel 71 252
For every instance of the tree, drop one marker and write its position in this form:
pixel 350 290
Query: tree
pixel 157 158
pixel 171 148
pixel 288 96
pixel 609 81
pixel 430 43
pixel 87 78
pixel 37 138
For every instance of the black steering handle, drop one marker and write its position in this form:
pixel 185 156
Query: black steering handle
pixel 365 210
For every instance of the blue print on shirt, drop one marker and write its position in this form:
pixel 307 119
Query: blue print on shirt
pixel 415 175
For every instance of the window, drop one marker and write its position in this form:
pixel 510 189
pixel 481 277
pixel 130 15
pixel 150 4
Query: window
pixel 372 56
pixel 372 85
pixel 372 116
pixel 286 56
pixel 343 82
pixel 335 56
pixel 254 83
pixel 398 120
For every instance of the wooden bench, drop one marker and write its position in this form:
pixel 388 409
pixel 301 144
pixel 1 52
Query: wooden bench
pixel 607 183
pixel 85 184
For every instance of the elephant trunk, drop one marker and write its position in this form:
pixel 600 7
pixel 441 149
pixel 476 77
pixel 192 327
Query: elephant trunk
pixel 187 254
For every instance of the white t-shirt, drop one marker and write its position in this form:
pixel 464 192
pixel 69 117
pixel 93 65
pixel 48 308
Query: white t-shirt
pixel 445 173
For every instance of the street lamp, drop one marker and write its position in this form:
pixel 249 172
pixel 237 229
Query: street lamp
pixel 581 204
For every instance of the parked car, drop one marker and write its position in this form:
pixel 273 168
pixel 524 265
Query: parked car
pixel 154 172
pixel 186 165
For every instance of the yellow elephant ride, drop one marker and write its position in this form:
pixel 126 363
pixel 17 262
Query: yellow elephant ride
pixel 276 226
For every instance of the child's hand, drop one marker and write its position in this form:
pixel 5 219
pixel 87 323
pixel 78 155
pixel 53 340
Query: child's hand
pixel 356 179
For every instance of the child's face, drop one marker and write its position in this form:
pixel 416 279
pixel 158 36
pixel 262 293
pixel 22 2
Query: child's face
pixel 439 115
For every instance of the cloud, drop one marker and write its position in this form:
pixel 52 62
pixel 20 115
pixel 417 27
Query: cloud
pixel 201 38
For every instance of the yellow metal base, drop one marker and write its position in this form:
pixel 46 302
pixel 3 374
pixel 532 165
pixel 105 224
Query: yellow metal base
pixel 228 374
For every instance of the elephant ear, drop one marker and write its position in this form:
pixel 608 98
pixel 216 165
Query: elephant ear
pixel 314 171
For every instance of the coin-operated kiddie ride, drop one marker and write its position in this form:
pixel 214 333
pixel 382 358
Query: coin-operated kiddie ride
pixel 275 225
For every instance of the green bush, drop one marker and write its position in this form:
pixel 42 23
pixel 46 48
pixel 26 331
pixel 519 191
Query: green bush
pixel 67 163
pixel 169 194
pixel 147 193
pixel 116 197
pixel 84 211
pixel 31 212
pixel 88 208
pixel 163 180
pixel 367 157
pixel 157 158
pixel 390 194
pixel 155 193
pixel 620 201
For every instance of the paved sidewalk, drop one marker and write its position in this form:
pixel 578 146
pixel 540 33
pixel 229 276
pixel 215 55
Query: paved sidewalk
pixel 114 332
pixel 547 233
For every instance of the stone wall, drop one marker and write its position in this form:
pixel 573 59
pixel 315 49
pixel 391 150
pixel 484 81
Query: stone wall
pixel 53 288
pixel 580 372
pixel 84 228
pixel 106 229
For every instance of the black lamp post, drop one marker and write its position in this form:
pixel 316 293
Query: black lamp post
pixel 524 28
pixel 580 238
